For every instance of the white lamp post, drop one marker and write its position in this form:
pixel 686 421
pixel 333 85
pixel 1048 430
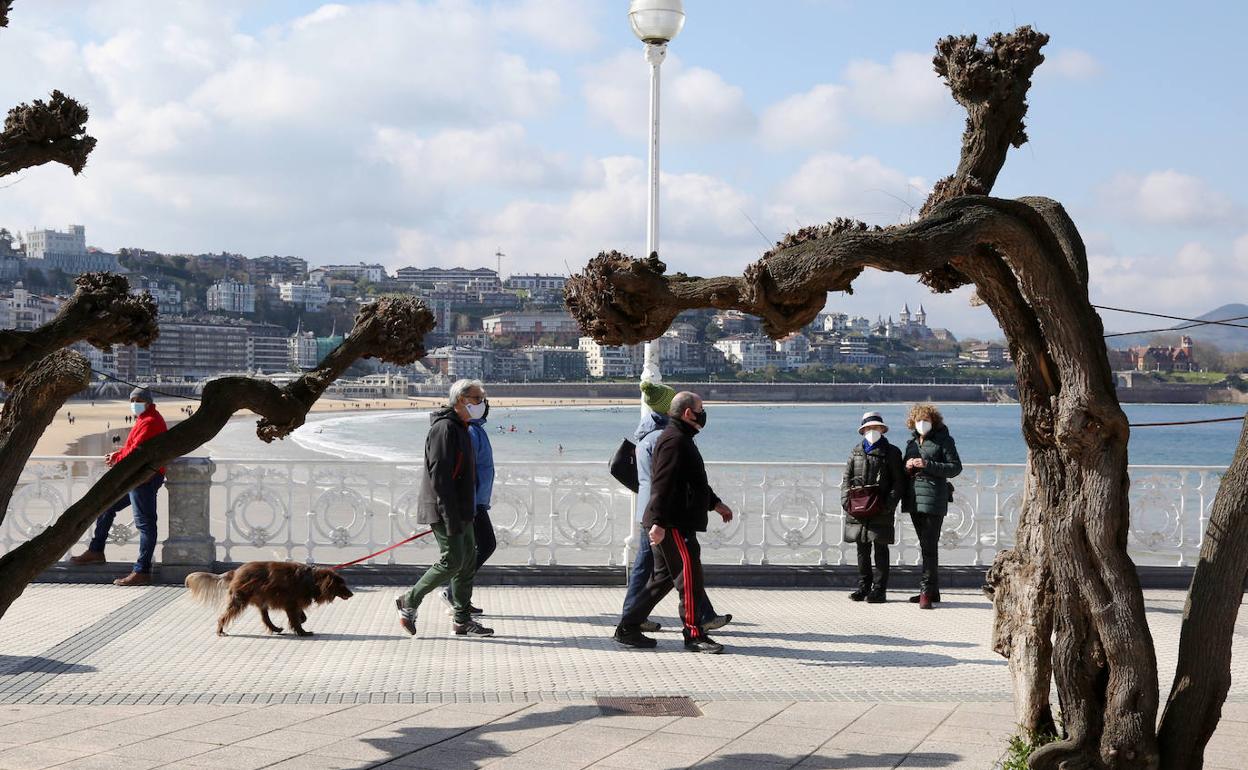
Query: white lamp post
pixel 655 22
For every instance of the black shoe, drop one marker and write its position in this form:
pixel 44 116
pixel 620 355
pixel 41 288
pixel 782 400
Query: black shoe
pixel 932 596
pixel 878 595
pixel 632 637
pixel 719 621
pixel 407 616
pixel 860 594
pixel 649 626
pixel 471 628
pixel 704 644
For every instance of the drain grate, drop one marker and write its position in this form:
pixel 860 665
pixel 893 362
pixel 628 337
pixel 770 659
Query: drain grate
pixel 670 706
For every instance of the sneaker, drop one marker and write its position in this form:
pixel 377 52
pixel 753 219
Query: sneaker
pixel 925 601
pixel 471 628
pixel 649 626
pixel 407 616
pixel 87 557
pixel 878 595
pixel 719 621
pixel 860 594
pixel 445 595
pixel 632 637
pixel 704 644
pixel 934 597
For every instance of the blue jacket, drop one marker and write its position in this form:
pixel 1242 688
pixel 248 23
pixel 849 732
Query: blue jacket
pixel 646 436
pixel 485 461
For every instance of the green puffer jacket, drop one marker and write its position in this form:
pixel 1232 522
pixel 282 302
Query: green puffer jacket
pixel 882 466
pixel 928 490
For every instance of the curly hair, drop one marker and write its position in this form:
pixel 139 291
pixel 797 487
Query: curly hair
pixel 924 411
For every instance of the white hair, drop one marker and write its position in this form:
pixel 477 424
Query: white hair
pixel 460 387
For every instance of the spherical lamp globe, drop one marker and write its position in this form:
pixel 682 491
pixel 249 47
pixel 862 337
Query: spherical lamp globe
pixel 656 21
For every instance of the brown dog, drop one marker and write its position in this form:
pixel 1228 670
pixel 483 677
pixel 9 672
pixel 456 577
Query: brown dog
pixel 280 585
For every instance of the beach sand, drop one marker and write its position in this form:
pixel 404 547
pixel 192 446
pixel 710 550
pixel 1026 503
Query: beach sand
pixel 109 417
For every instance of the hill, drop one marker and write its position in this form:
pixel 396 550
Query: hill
pixel 1226 338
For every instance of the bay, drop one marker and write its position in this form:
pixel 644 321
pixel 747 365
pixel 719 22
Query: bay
pixel 985 433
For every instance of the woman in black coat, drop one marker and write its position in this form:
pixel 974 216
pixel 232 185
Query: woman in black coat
pixel 873 462
pixel 931 460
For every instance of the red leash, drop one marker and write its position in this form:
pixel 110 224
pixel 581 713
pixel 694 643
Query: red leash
pixel 383 550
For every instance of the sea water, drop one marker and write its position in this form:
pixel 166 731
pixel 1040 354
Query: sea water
pixel 985 433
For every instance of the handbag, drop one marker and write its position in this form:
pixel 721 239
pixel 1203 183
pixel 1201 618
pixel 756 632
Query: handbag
pixel 864 502
pixel 950 485
pixel 623 465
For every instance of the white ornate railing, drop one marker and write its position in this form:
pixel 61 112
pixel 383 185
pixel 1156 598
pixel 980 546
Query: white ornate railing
pixel 574 513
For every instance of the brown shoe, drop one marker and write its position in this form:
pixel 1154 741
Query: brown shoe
pixel 134 579
pixel 87 557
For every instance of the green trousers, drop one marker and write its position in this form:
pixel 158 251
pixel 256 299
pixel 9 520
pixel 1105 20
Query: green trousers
pixel 457 566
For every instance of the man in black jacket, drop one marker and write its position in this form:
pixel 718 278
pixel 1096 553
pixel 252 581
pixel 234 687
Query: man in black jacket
pixel 680 497
pixel 448 505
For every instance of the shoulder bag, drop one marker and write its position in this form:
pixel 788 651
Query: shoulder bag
pixel 623 465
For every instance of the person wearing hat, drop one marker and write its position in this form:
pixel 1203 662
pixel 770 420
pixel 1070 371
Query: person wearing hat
pixel 658 397
pixel 142 499
pixel 874 470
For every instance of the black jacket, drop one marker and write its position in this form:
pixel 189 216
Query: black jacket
pixel 882 466
pixel 448 489
pixel 680 495
pixel 928 490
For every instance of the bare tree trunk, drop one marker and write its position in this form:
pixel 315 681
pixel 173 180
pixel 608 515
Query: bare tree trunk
pixel 391 329
pixel 1203 676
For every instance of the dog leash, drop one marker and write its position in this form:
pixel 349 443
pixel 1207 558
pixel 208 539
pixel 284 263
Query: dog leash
pixel 383 550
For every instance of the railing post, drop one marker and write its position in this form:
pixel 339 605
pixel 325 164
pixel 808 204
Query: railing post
pixel 190 546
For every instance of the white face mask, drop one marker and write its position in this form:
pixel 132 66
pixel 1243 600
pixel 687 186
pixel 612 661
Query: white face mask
pixel 476 411
pixel 922 426
pixel 873 435
pixel 138 407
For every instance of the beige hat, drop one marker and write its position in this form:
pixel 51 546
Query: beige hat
pixel 872 420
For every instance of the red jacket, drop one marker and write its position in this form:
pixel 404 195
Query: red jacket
pixel 146 426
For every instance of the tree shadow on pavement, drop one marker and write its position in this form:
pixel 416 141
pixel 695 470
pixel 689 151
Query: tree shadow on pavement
pixel 582 734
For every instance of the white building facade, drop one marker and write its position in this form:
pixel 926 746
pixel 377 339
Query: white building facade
pixel 232 297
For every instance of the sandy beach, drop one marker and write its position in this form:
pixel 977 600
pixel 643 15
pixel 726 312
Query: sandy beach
pixel 108 418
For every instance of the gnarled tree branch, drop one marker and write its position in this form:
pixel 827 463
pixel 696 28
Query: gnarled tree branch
pixel 41 132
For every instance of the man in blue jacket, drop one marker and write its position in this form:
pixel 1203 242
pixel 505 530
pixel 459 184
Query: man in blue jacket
pixel 482 527
pixel 658 397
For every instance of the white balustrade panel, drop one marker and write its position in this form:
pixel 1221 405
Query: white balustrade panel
pixel 574 513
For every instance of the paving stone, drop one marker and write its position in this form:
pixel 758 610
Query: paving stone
pixel 164 749
pixel 719 728
pixel 856 760
pixel 31 732
pixel 110 762
pixel 219 732
pixel 35 757
pixel 90 741
pixel 237 758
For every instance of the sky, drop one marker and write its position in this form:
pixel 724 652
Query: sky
pixel 431 133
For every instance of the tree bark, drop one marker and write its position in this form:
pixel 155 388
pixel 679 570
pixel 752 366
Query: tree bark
pixel 1203 676
pixel 41 132
pixel 391 329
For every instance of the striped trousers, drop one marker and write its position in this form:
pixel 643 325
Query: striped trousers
pixel 677 564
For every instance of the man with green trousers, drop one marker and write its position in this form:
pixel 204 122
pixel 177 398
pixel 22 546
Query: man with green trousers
pixel 448 505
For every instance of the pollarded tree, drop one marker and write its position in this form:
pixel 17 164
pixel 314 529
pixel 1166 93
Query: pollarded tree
pixel 1067 601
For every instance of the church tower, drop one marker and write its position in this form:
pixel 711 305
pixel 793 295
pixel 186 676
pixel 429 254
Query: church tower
pixel 904 318
pixel 921 317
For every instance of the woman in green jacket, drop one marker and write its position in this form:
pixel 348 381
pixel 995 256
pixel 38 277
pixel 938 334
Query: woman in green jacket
pixel 931 459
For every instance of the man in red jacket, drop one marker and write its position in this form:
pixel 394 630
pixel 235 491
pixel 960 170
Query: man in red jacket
pixel 147 425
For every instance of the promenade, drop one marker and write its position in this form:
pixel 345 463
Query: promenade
pixel 94 676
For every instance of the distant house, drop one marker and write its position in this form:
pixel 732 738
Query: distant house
pixel 991 354
pixel 1164 359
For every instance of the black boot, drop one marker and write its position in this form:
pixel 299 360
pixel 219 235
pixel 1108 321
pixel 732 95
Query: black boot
pixel 878 594
pixel 864 588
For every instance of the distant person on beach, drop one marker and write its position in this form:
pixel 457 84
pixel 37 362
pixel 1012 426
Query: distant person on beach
pixel 482 527
pixel 680 499
pixel 447 505
pixel 659 398
pixel 871 488
pixel 142 499
pixel 931 460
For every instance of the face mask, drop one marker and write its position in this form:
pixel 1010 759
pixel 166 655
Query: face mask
pixel 476 411
pixel 700 418
pixel 138 407
pixel 873 436
pixel 922 426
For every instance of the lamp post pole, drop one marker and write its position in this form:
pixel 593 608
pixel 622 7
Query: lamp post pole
pixel 655 53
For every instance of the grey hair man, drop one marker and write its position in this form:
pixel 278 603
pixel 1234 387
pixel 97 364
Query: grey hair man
pixel 447 505
pixel 680 499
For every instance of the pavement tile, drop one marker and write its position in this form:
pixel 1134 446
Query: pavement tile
pixel 313 762
pixel 337 724
pixel 745 761
pixel 25 712
pixel 110 762
pixel 661 743
pixel 20 733
pixel 857 761
pixel 90 741
pixel 219 732
pixel 279 740
pixel 438 759
pixel 35 757
pixel 779 753
pixel 641 761
pixel 720 728
pixel 163 749
pixel 743 711
pixel 798 736
pixel 867 743
pixel 237 758
pixel 820 714
pixel 971 735
pixel 374 750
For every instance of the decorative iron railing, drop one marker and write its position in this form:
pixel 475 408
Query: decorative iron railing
pixel 574 513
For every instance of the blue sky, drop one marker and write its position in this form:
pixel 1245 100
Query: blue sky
pixel 436 132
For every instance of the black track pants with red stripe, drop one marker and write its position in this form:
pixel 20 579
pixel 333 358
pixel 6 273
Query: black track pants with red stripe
pixel 677 564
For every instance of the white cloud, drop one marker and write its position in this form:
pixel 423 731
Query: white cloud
pixel 1240 249
pixel 1196 278
pixel 817 118
pixel 906 90
pixel 1070 63
pixel 697 104
pixel 830 185
pixel 1167 198
pixel 564 25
